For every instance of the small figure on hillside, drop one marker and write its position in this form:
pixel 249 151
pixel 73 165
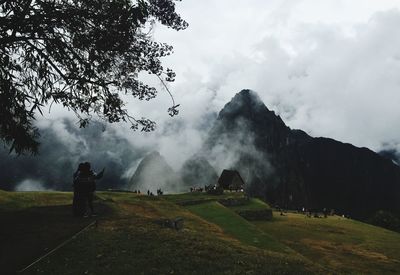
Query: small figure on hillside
pixel 85 186
pixel 159 192
pixel 148 192
pixel 325 211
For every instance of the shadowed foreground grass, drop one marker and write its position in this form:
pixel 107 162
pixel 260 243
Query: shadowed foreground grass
pixel 32 223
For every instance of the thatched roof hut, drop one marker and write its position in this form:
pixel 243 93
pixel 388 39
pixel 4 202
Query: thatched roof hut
pixel 231 179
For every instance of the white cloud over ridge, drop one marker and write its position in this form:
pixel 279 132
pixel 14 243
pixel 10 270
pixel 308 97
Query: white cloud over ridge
pixel 331 68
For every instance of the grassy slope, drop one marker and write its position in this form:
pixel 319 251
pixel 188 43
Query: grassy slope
pixel 343 245
pixel 254 204
pixel 197 196
pixel 237 227
pixel 127 241
pixel 22 200
pixel 215 240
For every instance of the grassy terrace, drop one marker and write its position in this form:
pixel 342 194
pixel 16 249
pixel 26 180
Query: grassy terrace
pixel 200 197
pixel 237 227
pixel 214 240
pixel 254 204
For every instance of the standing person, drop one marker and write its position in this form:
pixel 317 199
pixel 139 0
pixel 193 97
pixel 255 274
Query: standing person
pixel 86 180
pixel 78 200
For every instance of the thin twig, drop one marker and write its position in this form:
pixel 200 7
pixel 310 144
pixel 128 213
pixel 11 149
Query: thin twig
pixel 170 94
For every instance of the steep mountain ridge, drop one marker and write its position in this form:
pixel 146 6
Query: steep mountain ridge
pixel 198 172
pixel 292 169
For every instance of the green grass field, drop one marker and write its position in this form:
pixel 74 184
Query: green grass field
pixel 343 245
pixel 237 227
pixel 253 204
pixel 200 197
pixel 215 240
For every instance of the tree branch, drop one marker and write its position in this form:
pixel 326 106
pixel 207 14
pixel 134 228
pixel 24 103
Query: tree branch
pixel 48 60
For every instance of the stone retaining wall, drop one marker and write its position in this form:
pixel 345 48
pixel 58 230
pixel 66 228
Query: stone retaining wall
pixel 234 201
pixel 256 215
pixel 193 202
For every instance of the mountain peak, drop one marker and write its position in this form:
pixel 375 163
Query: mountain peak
pixel 245 100
pixel 247 95
pixel 153 154
pixel 246 120
pixel 248 105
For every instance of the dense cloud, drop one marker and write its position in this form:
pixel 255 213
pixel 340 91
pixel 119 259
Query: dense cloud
pixel 332 69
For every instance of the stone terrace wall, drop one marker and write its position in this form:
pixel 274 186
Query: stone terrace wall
pixel 256 215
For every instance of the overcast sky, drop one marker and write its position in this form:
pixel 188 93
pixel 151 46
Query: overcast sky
pixel 331 68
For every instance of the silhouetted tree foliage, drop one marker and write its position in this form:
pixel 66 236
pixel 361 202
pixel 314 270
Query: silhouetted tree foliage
pixel 83 54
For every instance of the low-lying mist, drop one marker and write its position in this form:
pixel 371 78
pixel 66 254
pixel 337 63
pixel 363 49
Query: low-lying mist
pixel 31 185
pixel 63 147
pixel 183 148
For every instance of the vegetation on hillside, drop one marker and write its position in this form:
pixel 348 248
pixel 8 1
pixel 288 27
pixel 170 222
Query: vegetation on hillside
pixel 129 240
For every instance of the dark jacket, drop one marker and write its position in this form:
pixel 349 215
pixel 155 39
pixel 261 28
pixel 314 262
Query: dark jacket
pixel 86 182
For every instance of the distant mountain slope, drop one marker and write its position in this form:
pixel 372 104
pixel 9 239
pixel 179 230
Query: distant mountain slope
pixel 292 169
pixel 154 172
pixel 197 172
